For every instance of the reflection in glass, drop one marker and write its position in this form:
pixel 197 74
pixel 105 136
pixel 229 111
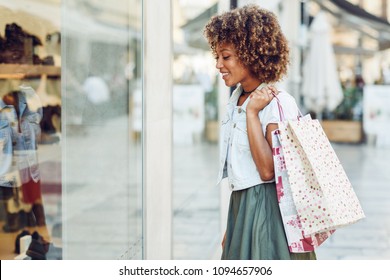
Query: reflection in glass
pixel 195 135
pixel 70 129
pixel 103 123
pixel 30 132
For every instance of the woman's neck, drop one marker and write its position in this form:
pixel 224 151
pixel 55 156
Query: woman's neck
pixel 249 87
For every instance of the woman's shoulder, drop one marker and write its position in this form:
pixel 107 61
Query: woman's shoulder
pixel 284 97
pixel 287 104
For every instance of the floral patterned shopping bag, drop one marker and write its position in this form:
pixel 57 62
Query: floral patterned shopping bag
pixel 321 190
pixel 298 241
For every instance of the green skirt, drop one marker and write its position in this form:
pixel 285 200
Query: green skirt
pixel 255 228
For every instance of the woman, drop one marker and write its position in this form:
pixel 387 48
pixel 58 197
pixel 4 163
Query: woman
pixel 251 53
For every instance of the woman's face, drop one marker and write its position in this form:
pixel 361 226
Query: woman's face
pixel 231 68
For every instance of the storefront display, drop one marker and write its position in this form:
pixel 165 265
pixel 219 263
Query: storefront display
pixel 30 114
pixel 81 118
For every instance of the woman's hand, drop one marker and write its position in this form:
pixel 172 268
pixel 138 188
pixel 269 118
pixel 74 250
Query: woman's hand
pixel 223 241
pixel 260 98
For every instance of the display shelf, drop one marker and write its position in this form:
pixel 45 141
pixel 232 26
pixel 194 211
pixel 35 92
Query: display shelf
pixel 21 71
pixel 343 131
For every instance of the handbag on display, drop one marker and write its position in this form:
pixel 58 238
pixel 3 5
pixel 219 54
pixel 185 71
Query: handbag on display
pixel 298 241
pixel 320 189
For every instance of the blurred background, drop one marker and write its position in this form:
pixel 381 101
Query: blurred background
pixel 131 104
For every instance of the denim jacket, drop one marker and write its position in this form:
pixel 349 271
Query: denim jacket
pixel 236 160
pixel 7 116
pixel 18 139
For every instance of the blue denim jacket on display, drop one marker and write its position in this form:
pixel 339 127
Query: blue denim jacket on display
pixel 18 139
pixel 7 115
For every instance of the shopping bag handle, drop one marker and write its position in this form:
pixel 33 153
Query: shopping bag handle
pixel 281 114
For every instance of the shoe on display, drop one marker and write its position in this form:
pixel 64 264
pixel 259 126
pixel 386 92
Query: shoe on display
pixel 17 240
pixel 37 250
pixel 48 60
pixel 15 221
pixel 17 36
pixel 39 214
pixel 18 46
pixel 30 217
pixel 36 236
pixel 38 247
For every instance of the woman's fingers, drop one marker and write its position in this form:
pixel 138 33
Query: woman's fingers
pixel 266 93
pixel 223 240
pixel 261 98
pixel 273 90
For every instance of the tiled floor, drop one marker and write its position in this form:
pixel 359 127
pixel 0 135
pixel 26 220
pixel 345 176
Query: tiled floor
pixel 195 201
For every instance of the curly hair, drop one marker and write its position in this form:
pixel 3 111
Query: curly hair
pixel 257 38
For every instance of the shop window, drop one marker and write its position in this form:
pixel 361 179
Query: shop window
pixel 71 120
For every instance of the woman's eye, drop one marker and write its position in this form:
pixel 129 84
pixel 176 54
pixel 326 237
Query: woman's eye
pixel 225 57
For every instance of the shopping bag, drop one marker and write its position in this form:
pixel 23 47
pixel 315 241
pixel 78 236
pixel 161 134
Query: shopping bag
pixel 298 241
pixel 321 190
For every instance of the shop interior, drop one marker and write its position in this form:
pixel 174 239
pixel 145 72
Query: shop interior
pixel 30 115
pixel 99 91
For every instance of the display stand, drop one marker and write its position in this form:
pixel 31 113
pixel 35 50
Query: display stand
pixel 21 71
pixel 343 131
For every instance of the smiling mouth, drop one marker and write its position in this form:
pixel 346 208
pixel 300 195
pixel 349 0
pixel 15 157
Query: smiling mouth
pixel 223 75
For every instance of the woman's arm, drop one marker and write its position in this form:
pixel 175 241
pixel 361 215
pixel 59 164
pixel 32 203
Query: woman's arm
pixel 260 146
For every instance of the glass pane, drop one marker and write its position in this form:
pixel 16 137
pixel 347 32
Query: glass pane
pixel 31 137
pixel 102 127
pixel 195 116
pixel 85 120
